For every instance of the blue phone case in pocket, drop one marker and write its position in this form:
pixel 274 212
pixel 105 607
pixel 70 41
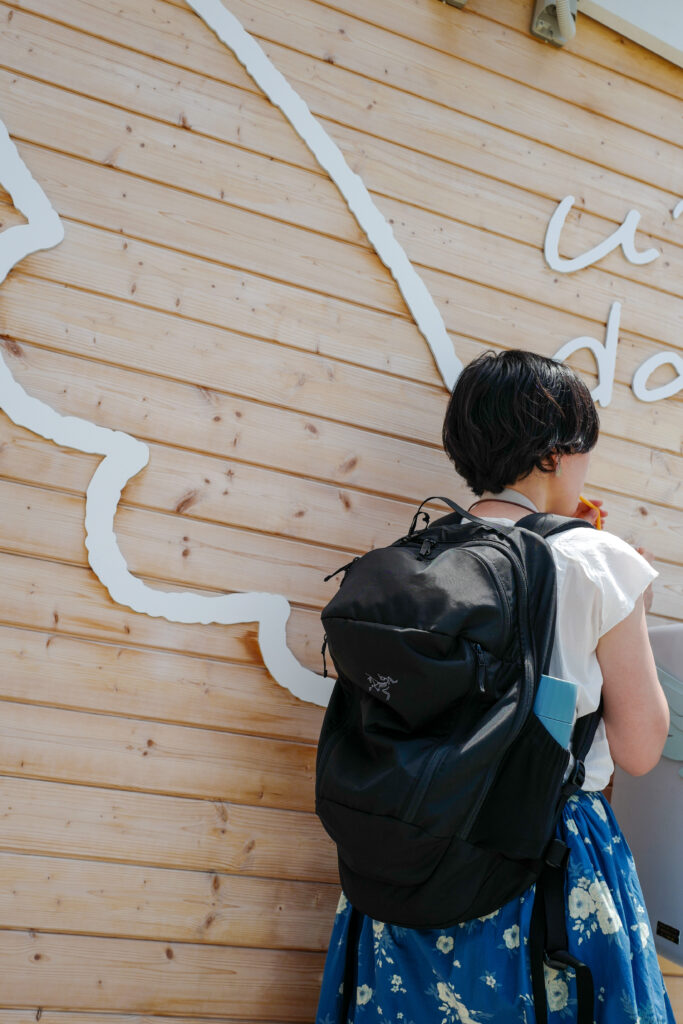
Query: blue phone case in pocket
pixel 555 705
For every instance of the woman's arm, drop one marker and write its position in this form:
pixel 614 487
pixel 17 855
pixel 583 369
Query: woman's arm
pixel 635 712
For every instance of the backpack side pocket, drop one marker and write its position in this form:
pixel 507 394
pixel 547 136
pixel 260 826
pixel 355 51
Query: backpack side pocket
pixel 519 812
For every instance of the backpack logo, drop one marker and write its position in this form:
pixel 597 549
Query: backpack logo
pixel 381 684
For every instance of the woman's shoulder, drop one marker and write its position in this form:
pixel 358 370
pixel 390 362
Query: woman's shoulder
pixel 590 537
pixel 600 569
pixel 601 550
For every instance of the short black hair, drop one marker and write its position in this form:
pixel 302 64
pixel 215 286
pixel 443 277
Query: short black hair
pixel 509 411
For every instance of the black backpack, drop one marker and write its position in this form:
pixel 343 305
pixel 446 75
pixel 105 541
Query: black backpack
pixel 434 777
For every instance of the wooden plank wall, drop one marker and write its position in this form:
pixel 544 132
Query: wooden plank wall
pixel 214 297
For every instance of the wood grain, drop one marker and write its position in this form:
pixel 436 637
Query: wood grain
pixel 215 298
pixel 101 898
pixel 157 976
pixel 94 823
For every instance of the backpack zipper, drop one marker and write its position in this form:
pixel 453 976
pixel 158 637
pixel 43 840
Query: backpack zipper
pixel 426 548
pixel 494 576
pixel 527 695
pixel 428 543
pixel 437 755
pixel 345 569
pixel 427 775
pixel 481 668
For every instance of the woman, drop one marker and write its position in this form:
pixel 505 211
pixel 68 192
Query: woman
pixel 520 429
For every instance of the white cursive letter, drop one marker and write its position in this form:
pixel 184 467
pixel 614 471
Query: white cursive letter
pixel 640 377
pixel 605 355
pixel 624 236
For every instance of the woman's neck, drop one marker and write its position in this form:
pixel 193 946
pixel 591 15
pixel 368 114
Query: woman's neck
pixel 508 503
pixel 499 509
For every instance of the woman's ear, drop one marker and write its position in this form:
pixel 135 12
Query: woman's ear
pixel 551 461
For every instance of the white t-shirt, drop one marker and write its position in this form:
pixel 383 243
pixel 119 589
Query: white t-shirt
pixel 599 578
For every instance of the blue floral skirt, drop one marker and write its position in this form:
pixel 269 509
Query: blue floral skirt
pixel 478 971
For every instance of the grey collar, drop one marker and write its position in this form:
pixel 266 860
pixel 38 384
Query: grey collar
pixel 511 495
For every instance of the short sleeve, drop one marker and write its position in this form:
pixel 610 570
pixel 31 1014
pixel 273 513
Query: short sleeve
pixel 613 568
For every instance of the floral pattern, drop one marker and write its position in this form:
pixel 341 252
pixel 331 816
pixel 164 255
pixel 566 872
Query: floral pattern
pixel 477 972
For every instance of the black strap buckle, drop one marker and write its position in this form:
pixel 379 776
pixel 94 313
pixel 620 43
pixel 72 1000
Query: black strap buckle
pixel 560 959
pixel 556 853
pixel 558 965
pixel 575 780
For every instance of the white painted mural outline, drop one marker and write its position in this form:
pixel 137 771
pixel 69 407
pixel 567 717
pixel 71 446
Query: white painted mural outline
pixel 328 154
pixel 124 455
pixel 44 229
pixel 124 458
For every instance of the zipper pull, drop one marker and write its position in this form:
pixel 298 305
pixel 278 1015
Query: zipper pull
pixel 427 545
pixel 344 567
pixel 481 669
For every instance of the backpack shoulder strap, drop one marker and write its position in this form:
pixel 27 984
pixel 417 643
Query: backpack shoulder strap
pixel 548 932
pixel 547 524
pixel 548 942
pixel 584 731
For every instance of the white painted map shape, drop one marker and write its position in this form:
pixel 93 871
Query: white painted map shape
pixel 124 455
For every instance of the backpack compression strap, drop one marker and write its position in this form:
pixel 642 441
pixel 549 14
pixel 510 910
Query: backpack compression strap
pixel 548 931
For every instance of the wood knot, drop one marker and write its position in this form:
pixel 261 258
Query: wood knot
pixel 12 346
pixel 189 498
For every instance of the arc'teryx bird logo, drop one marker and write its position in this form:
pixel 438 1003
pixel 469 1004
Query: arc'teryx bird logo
pixel 381 684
